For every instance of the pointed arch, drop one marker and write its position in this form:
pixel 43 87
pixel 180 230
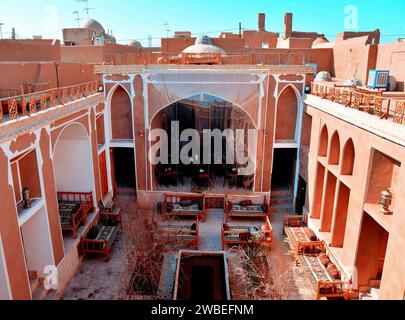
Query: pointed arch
pixel 287 113
pixel 334 156
pixel 323 142
pixel 120 113
pixel 255 125
pixel 348 158
pixel 73 161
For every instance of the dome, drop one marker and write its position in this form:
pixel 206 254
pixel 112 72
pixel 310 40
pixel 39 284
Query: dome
pixel 203 44
pixel 135 44
pixel 93 24
pixel 204 48
pixel 352 81
pixel 203 40
pixel 320 40
pixel 323 76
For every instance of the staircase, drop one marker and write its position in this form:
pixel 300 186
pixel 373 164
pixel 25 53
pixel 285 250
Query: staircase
pixel 281 201
pixel 38 290
pixel 373 291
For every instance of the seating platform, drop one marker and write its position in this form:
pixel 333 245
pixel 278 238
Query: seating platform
pixel 239 235
pixel 310 254
pixel 245 206
pixel 73 209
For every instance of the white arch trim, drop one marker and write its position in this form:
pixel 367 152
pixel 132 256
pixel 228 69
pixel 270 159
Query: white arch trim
pixel 66 127
pixel 199 93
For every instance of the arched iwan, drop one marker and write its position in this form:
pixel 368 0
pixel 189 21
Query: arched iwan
pixel 287 114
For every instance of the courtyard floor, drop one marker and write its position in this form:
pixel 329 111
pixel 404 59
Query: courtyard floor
pixel 96 279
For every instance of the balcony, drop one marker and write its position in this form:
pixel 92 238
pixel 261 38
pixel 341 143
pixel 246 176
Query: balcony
pixel 15 109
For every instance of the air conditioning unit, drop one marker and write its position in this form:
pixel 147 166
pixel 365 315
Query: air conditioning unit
pixel 378 79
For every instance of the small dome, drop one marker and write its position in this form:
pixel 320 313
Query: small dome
pixel 320 40
pixel 93 24
pixel 135 44
pixel 204 48
pixel 203 40
pixel 353 82
pixel 323 76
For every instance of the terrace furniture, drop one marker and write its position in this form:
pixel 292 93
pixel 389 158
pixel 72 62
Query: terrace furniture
pixel 183 205
pixel 247 206
pixel 100 238
pixel 324 276
pixel 295 227
pixel 73 209
pixel 235 235
pixel 310 253
pixel 178 234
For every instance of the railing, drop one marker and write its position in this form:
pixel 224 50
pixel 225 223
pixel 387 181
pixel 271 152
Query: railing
pixel 201 58
pixel 12 108
pixel 369 102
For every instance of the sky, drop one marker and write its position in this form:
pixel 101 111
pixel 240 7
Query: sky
pixel 137 19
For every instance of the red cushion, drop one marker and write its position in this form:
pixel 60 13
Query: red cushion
pixel 333 271
pixel 310 234
pixel 295 223
pixel 245 203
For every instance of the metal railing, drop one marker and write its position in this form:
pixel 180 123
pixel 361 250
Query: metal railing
pixel 14 108
pixel 369 102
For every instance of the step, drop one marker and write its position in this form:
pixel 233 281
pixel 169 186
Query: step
pixel 375 284
pixel 280 193
pixel 34 284
pixel 40 293
pixel 375 293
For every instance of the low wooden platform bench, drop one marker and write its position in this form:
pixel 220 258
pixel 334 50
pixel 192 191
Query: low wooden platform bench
pixel 236 235
pixel 296 229
pixel 187 235
pixel 183 205
pixel 73 209
pixel 100 238
pixel 247 206
pixel 109 211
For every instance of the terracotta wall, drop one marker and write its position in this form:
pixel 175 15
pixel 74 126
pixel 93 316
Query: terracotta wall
pixel 295 43
pixel 30 50
pixel 353 58
pixel 393 280
pixel 255 39
pixel 23 73
pixel 94 54
pixel 392 57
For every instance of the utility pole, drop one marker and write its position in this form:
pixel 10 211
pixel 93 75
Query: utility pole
pixel 240 29
pixel 78 19
pixel 1 31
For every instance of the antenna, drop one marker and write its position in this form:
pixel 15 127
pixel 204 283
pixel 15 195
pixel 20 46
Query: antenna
pixel 166 25
pixel 1 31
pixel 78 19
pixel 86 9
pixel 150 41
